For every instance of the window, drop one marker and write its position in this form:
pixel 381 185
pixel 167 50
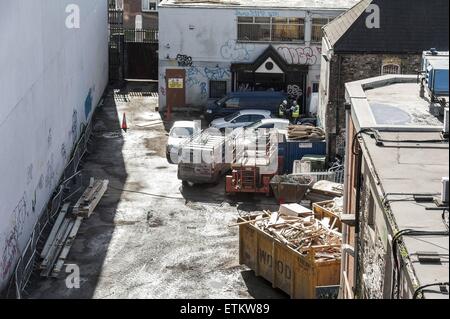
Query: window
pixel 217 89
pixel 116 4
pixel 315 87
pixel 271 29
pixel 232 103
pixel 149 5
pixel 242 119
pixel 288 29
pixel 254 118
pixel 316 31
pixel 390 69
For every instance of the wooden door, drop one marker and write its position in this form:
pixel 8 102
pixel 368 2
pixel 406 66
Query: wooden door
pixel 176 87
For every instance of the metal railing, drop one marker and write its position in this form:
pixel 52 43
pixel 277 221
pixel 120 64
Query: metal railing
pixel 71 182
pixel 331 175
pixel 115 16
pixel 141 36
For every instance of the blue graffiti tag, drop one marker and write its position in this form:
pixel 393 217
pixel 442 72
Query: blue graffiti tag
pixel 88 104
pixel 204 91
pixel 236 51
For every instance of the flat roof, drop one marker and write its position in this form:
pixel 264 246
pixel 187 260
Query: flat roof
pixel 263 4
pixel 412 160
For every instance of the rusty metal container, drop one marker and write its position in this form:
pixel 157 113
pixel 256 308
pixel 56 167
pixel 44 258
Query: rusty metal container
pixel 290 189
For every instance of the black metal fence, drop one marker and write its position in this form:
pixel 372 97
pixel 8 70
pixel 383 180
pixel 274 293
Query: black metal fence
pixel 115 17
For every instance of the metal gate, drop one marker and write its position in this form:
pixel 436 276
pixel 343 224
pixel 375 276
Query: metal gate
pixel 141 54
pixel 133 54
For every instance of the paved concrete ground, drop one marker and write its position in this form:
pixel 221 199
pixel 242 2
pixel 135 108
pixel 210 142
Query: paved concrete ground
pixel 150 237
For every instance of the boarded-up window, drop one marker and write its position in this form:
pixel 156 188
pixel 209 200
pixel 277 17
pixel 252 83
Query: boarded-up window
pixel 316 31
pixel 279 29
pixel 217 89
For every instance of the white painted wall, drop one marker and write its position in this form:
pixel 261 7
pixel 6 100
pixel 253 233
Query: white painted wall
pixel 324 89
pixel 208 35
pixel 51 78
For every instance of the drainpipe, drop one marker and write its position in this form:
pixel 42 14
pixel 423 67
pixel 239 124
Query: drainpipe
pixel 344 226
pixel 338 91
pixel 357 217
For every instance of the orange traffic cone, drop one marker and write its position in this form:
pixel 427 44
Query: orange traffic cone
pixel 124 122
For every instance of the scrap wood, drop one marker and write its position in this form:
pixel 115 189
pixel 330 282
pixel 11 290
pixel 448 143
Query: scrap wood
pixel 303 235
pixel 91 197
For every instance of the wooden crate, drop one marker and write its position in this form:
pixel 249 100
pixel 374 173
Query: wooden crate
pixel 320 212
pixel 285 268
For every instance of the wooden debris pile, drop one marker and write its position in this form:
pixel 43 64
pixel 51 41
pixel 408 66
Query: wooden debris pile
pixel 335 206
pixel 305 132
pixel 65 229
pixel 301 233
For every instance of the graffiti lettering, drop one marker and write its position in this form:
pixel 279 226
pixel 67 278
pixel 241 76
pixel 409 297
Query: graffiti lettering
pixel 63 151
pixel 236 51
pixel 11 247
pixel 29 174
pixel 298 55
pixel 256 13
pixel 50 174
pixel 74 124
pixel 162 90
pixel 184 60
pixel 203 91
pixel 294 91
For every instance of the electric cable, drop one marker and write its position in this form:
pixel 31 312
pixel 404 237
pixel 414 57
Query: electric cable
pixel 421 288
pixel 409 232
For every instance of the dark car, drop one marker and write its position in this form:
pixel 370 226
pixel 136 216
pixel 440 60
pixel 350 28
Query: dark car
pixel 237 101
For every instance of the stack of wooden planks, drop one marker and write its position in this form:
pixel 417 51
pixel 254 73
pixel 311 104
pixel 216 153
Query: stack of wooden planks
pixel 89 200
pixel 305 132
pixel 65 229
pixel 301 233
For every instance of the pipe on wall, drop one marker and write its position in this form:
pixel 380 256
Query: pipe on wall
pixel 346 191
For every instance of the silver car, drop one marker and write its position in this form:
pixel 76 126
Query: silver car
pixel 240 119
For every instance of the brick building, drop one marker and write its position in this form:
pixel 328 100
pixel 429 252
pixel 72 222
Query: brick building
pixel 395 230
pixel 375 37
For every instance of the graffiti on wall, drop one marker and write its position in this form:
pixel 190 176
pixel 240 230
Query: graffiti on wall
pixel 29 174
pixel 10 251
pixel 256 13
pixel 74 128
pixel 294 91
pixel 162 90
pixel 302 56
pixel 184 60
pixel 198 77
pixel 50 173
pixel 203 91
pixel 88 104
pixel 236 51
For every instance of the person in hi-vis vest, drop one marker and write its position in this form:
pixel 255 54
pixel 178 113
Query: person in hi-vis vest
pixel 295 112
pixel 282 109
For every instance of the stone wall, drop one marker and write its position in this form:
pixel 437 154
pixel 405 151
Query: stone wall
pixel 352 67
